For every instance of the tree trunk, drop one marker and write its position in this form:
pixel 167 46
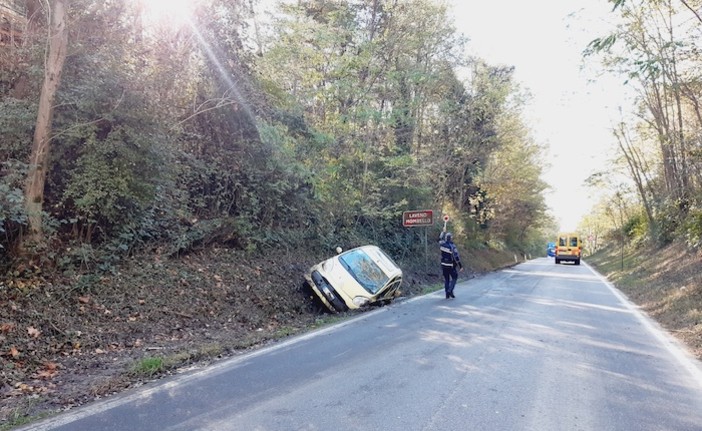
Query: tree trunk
pixel 637 172
pixel 34 188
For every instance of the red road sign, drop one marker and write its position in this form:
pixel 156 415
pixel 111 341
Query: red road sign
pixel 446 217
pixel 417 218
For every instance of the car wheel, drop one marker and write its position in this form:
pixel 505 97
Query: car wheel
pixel 558 261
pixel 577 261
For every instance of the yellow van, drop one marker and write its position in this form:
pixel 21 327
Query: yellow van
pixel 569 247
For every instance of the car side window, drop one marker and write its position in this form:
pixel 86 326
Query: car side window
pixel 562 241
pixel 574 241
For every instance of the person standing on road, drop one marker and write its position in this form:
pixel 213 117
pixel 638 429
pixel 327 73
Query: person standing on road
pixel 450 261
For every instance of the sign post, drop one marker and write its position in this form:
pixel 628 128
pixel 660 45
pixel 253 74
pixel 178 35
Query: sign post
pixel 420 218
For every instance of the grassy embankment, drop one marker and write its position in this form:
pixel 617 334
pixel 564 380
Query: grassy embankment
pixel 666 283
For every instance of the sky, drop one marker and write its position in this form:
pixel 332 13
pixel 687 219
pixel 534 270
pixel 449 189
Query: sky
pixel 573 107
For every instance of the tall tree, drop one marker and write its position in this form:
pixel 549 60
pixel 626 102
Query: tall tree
pixel 656 46
pixel 57 45
pixel 639 171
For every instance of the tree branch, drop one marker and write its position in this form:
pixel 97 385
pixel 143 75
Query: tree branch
pixel 687 5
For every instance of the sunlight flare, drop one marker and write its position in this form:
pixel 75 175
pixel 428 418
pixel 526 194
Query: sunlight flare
pixel 167 12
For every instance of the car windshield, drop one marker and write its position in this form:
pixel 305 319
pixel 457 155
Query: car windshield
pixel 364 270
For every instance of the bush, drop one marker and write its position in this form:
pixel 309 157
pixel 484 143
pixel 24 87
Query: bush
pixel 12 214
pixel 112 183
pixel 692 228
pixel 16 125
pixel 16 128
pixel 635 228
pixel 668 216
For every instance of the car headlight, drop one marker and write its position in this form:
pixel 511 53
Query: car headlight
pixel 360 301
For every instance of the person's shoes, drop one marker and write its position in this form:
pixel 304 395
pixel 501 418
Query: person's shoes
pixel 452 295
pixel 448 295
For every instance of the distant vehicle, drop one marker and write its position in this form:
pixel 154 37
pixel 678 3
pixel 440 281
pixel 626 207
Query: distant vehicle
pixel 569 247
pixel 551 249
pixel 357 278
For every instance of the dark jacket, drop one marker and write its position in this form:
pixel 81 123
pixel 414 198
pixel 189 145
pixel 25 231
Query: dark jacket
pixel 449 252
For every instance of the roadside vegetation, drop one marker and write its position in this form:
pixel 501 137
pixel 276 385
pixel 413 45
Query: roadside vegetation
pixel 665 282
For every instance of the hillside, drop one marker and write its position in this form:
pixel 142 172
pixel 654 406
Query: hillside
pixel 70 341
pixel 665 282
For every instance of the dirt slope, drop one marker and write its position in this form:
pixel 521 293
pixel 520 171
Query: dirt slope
pixel 665 282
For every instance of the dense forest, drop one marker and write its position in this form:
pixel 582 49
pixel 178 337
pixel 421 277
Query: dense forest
pixel 316 123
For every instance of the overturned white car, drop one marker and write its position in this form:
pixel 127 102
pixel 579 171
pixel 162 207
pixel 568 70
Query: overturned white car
pixel 356 278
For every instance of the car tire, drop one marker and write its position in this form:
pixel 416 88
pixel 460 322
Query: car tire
pixel 558 261
pixel 577 261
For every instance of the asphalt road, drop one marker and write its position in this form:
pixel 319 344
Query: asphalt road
pixel 537 347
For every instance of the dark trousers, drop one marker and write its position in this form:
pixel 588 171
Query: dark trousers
pixel 450 278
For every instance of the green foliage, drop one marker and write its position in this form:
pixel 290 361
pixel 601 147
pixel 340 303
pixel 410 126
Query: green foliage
pixel 668 220
pixel 692 228
pixel 12 213
pixel 86 283
pixel 22 416
pixel 636 228
pixel 16 126
pixel 617 4
pixel 112 181
pixel 149 366
pixel 12 174
pixel 601 44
